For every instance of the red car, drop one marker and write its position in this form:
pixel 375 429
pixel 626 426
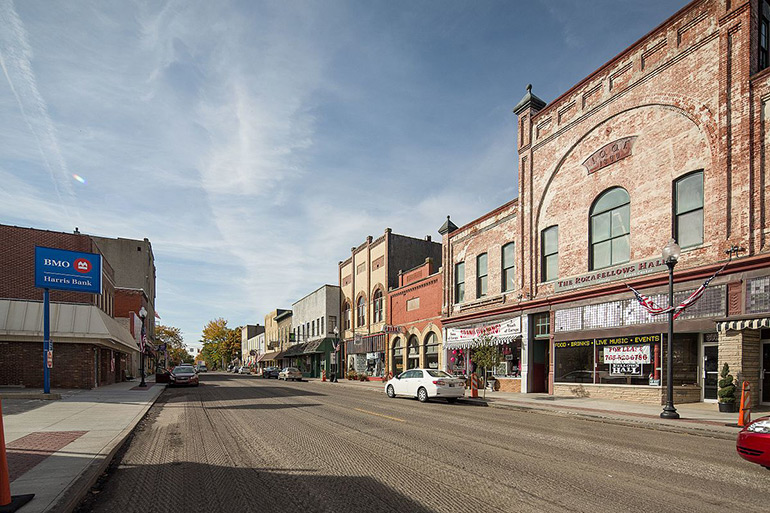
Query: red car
pixel 754 442
pixel 183 375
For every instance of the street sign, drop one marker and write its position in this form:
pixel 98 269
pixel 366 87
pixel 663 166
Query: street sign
pixel 68 270
pixel 49 359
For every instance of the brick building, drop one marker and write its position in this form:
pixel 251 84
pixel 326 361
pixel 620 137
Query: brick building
pixel 414 309
pixel 365 278
pixel 91 347
pixel 482 300
pixel 665 140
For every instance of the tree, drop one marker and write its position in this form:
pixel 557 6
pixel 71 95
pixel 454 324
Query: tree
pixel 175 346
pixel 220 342
pixel 486 356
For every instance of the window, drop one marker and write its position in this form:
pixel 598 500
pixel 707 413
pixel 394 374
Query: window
pixel 361 312
pixel 481 275
pixel 321 332
pixel 346 315
pixel 550 252
pixel 688 210
pixel 508 267
pixel 610 229
pixel 332 323
pixel 412 304
pixel 542 325
pixel 764 35
pixel 431 351
pixel 377 306
pixel 412 353
pixel 397 360
pixel 459 282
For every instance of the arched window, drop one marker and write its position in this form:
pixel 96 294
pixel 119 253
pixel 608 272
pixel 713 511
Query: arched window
pixel 361 312
pixel 431 351
pixel 413 353
pixel 378 304
pixel 610 228
pixel 346 315
pixel 397 358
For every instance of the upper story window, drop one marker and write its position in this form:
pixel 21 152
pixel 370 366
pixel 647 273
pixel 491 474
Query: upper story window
pixel 378 303
pixel 550 253
pixel 481 275
pixel 361 312
pixel 764 35
pixel 542 322
pixel 508 267
pixel 346 315
pixel 610 229
pixel 688 209
pixel 459 282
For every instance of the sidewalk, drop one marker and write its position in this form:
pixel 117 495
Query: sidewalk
pixel 695 418
pixel 57 451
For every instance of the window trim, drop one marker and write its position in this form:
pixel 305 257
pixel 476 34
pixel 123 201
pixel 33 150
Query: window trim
pixel 503 269
pixel 543 255
pixel 675 216
pixel 361 311
pixel 591 243
pixel 458 283
pixel 378 304
pixel 479 294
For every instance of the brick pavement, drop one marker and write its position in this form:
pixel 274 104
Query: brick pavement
pixel 26 452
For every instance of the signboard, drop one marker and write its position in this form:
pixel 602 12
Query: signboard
pixel 392 329
pixel 627 354
pixel 621 272
pixel 625 369
pixel 609 154
pixel 498 333
pixel 68 270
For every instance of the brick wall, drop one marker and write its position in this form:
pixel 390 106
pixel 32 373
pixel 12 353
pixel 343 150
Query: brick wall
pixel 126 301
pixel 73 365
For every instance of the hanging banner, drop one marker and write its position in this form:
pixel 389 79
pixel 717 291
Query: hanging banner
pixel 498 333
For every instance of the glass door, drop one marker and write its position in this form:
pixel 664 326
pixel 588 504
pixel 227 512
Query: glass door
pixel 766 372
pixel 710 371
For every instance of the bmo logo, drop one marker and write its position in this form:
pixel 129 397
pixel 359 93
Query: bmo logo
pixel 82 265
pixel 62 264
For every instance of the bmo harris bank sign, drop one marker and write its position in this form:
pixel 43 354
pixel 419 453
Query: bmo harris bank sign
pixel 68 270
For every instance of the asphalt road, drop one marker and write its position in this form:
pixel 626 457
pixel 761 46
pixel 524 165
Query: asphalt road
pixel 240 443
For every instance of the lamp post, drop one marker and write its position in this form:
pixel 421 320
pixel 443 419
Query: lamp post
pixel 671 254
pixel 143 316
pixel 336 354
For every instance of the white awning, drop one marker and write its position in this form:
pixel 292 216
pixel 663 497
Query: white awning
pixel 465 344
pixel 744 324
pixel 22 321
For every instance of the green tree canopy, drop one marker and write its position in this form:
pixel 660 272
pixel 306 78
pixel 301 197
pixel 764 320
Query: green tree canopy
pixel 175 346
pixel 219 342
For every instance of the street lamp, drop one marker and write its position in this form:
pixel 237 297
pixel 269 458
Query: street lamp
pixel 670 256
pixel 142 344
pixel 336 354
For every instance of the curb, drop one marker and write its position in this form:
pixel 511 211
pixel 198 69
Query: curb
pixel 591 416
pixel 31 395
pixel 72 496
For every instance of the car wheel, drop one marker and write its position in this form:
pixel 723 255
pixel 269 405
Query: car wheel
pixel 391 393
pixel 422 395
pixel 451 400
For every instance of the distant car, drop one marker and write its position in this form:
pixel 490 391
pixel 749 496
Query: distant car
pixel 183 375
pixel 202 368
pixel 290 373
pixel 270 372
pixel 244 370
pixel 753 442
pixel 425 384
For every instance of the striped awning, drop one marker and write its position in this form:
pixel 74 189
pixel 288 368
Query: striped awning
pixel 466 344
pixel 743 324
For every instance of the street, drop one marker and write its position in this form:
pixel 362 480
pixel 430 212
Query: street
pixel 241 443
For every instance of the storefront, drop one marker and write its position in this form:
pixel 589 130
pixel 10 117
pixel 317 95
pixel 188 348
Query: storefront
pixel 366 356
pixel 507 336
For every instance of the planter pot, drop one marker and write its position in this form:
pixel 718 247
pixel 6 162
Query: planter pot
pixel 726 407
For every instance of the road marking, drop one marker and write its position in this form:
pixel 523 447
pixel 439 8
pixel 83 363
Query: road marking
pixel 379 415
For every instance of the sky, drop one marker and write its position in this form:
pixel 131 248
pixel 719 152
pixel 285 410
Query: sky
pixel 255 142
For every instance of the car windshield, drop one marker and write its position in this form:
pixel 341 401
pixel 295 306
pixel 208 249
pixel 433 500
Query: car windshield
pixel 438 374
pixel 184 370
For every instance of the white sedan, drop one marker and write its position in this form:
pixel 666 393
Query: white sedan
pixel 426 383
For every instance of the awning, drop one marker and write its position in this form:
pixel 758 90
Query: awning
pixel 312 347
pixel 743 324
pixel 266 357
pixel 295 350
pixel 466 344
pixel 22 321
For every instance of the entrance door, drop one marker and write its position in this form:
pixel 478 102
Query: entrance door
pixel 710 371
pixel 766 372
pixel 539 368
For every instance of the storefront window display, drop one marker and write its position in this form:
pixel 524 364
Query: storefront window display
pixel 431 351
pixel 374 364
pixel 413 353
pixel 397 361
pixel 631 360
pixel 456 362
pixel 510 361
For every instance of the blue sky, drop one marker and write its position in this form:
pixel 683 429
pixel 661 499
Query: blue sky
pixel 255 142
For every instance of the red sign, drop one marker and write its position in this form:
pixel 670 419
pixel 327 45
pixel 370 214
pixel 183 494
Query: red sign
pixel 82 265
pixel 49 359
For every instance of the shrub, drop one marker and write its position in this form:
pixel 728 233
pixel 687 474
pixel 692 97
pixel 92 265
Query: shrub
pixel 726 386
pixel 363 377
pixel 352 375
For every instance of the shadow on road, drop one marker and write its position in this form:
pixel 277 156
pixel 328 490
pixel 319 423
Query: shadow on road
pixel 212 488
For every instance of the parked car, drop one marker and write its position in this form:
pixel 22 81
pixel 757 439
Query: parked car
pixel 290 373
pixel 244 370
pixel 270 372
pixel 202 368
pixel 425 384
pixel 754 442
pixel 183 375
